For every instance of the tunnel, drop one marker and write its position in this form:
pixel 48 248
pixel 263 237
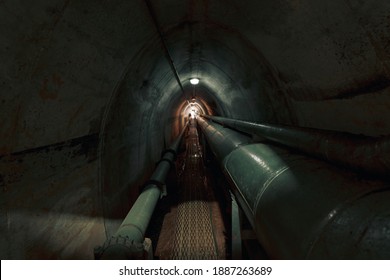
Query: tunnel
pixel 94 93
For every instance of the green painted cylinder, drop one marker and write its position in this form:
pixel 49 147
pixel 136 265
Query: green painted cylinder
pixel 358 152
pixel 301 207
pixel 127 242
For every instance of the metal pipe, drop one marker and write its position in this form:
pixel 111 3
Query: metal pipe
pixel 166 50
pixel 301 207
pixel 361 153
pixel 128 241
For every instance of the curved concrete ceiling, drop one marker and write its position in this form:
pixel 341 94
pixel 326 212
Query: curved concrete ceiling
pixel 62 60
pixel 76 70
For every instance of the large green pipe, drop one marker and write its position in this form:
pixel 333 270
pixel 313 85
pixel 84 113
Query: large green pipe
pixel 359 152
pixel 301 207
pixel 128 241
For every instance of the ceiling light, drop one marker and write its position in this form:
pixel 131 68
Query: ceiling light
pixel 194 81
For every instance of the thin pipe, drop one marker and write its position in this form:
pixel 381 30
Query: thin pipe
pixel 127 242
pixel 361 153
pixel 301 207
pixel 162 39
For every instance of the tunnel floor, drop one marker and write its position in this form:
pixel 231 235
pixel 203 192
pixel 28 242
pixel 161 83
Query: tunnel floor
pixel 192 228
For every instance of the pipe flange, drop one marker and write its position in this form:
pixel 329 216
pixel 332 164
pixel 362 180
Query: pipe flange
pixel 120 248
pixel 169 150
pixel 171 163
pixel 153 182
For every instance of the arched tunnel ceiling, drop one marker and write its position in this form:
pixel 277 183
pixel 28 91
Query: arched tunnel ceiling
pixel 88 99
pixel 62 60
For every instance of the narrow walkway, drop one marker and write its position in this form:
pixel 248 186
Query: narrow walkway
pixel 194 235
pixel 193 227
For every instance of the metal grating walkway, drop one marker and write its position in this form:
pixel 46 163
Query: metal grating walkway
pixel 194 237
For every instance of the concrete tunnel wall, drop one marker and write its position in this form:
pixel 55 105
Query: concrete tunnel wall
pixel 88 99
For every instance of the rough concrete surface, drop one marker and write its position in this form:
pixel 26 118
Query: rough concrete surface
pixel 73 69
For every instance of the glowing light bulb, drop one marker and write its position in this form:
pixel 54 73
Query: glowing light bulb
pixel 194 81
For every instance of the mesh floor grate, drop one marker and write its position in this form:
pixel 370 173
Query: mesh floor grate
pixel 194 237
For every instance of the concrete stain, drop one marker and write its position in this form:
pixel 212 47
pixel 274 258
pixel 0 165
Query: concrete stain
pixel 45 93
pixel 74 116
pixel 11 132
pixel 364 87
pixel 50 87
pixel 57 80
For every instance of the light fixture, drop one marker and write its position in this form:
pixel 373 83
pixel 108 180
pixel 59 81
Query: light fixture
pixel 194 81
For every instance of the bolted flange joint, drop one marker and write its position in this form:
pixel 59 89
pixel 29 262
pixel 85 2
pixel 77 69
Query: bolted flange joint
pixel 122 248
